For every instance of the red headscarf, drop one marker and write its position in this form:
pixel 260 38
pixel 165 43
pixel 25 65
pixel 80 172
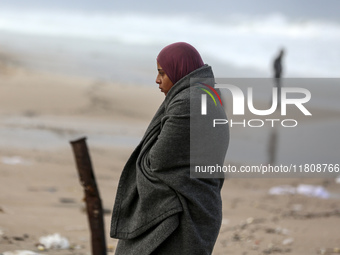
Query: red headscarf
pixel 179 59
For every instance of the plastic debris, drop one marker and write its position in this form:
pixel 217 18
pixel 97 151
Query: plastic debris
pixel 288 241
pixel 282 231
pixel 302 189
pixel 282 190
pixel 312 191
pixel 16 160
pixel 54 241
pixel 20 252
pixel 250 220
pixel 41 247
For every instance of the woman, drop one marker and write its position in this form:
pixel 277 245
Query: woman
pixel 159 208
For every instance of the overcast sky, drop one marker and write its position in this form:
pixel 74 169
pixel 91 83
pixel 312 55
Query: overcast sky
pixel 297 9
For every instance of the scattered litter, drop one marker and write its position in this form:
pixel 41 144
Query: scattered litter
pixel 16 160
pixel 250 220
pixel 274 250
pixel 329 251
pixel 282 190
pixel 278 230
pixel 302 189
pixel 20 252
pixel 312 191
pixel 40 247
pixel 282 231
pixel 54 241
pixel 288 241
pixel 110 248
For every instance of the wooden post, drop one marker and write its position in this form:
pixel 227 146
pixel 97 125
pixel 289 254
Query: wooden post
pixel 92 197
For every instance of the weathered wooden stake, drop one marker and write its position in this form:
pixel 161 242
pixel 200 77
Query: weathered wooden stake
pixel 92 197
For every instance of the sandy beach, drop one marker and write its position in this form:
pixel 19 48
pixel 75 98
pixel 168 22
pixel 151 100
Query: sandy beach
pixel 40 193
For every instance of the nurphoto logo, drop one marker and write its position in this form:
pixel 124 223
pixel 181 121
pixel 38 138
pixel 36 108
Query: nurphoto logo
pixel 278 102
pixel 204 97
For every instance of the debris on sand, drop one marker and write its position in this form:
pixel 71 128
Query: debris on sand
pixel 55 241
pixel 19 252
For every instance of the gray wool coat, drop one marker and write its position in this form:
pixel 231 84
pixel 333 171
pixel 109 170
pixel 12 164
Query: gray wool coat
pixel 159 208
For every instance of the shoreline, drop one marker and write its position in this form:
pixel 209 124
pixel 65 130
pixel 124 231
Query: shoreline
pixel 40 192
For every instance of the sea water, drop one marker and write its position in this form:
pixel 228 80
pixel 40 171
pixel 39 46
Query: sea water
pixel 119 41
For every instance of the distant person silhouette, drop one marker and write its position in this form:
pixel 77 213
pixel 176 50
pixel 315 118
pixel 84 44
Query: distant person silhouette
pixel 277 66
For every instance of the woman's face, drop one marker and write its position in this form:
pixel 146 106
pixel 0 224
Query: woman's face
pixel 163 80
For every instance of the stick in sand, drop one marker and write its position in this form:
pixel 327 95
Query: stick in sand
pixel 92 197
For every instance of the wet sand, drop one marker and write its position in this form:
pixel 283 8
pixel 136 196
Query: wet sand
pixel 40 193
